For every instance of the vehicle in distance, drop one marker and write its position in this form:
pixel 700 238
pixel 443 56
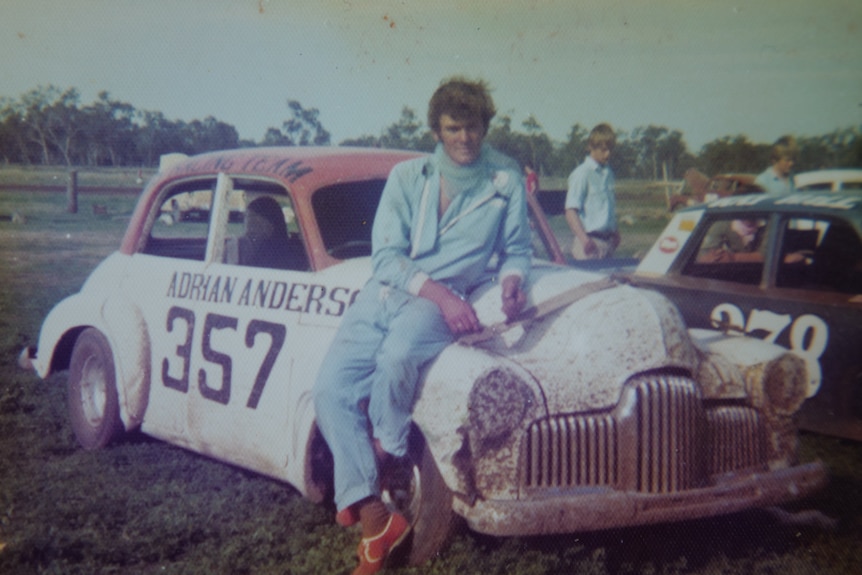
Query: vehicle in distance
pixel 829 180
pixel 600 409
pixel 698 188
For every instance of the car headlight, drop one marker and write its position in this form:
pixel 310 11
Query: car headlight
pixel 782 385
pixel 498 403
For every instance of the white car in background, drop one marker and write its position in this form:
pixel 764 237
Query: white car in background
pixel 829 180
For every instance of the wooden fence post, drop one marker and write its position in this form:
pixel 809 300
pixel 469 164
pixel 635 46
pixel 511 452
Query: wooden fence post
pixel 72 193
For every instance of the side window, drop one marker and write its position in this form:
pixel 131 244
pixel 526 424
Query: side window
pixel 731 250
pixel 345 213
pixel 262 232
pixel 181 222
pixel 820 255
pixel 257 225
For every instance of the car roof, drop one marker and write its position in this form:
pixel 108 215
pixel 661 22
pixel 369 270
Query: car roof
pixel 827 176
pixel 302 168
pixel 801 204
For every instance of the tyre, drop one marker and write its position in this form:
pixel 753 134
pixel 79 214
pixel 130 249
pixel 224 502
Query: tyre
pixel 93 405
pixel 427 504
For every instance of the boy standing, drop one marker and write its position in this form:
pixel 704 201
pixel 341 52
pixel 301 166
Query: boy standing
pixel 590 200
pixel 777 178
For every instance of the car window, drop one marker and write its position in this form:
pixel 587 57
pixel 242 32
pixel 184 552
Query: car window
pixel 181 222
pixel 345 213
pixel 821 187
pixel 259 229
pixel 822 255
pixel 262 232
pixel 730 250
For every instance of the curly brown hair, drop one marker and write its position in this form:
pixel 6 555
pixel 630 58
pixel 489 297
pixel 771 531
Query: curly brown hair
pixel 462 99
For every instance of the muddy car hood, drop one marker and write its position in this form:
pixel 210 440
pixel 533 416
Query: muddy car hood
pixel 582 354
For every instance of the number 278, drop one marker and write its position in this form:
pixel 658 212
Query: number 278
pixel 214 322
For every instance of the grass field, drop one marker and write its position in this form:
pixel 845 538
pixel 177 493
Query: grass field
pixel 145 507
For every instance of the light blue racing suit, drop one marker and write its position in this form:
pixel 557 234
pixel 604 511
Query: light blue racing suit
pixel 368 381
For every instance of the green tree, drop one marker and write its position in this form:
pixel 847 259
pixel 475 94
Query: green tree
pixel 210 134
pixel 733 154
pixel 304 127
pixel 405 134
pixel 571 153
pixel 108 132
pixel 13 144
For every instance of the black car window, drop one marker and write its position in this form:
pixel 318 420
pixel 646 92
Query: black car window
pixel 345 213
pixel 822 255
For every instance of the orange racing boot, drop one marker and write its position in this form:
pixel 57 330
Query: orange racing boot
pixel 373 551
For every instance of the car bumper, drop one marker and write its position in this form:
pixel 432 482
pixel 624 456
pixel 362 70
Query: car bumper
pixel 568 512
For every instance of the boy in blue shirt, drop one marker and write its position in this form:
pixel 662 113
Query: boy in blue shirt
pixel 778 178
pixel 590 200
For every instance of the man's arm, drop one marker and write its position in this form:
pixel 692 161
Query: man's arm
pixel 391 235
pixel 517 252
pixel 575 197
pixel 573 218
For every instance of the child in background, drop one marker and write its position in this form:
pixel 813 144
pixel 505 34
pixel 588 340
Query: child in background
pixel 591 202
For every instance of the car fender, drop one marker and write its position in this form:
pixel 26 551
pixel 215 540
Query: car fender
pixel 129 336
pixel 112 316
pixel 450 416
pixel 772 377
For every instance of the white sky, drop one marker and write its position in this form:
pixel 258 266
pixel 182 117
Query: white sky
pixel 709 68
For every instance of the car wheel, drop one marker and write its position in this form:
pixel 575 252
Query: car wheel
pixel 427 504
pixel 93 406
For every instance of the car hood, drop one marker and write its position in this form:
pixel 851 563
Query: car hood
pixel 582 354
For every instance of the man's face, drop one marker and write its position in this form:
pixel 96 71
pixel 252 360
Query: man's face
pixel 461 139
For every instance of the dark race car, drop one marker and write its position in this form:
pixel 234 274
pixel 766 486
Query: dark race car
pixel 799 284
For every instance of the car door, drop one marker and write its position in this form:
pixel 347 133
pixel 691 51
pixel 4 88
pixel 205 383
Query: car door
pixel 219 281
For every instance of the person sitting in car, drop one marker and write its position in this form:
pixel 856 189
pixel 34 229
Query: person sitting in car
pixel 734 241
pixel 740 240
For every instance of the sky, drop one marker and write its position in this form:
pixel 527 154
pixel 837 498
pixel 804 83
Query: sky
pixel 709 68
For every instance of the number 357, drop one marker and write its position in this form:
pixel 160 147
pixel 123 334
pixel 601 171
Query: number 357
pixel 184 319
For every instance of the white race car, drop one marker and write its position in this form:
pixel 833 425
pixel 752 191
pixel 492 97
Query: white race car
pixel 598 409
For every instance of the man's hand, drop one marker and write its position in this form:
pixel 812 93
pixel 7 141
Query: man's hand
pixel 514 298
pixel 458 314
pixel 590 248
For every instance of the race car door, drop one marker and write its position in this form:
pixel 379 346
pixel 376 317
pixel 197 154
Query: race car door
pixel 211 280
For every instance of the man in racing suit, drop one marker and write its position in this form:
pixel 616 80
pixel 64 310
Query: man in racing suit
pixel 440 220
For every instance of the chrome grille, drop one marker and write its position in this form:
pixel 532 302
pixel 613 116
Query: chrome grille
pixel 737 439
pixel 648 443
pixel 569 451
pixel 669 410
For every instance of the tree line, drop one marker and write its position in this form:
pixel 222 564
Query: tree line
pixel 49 126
